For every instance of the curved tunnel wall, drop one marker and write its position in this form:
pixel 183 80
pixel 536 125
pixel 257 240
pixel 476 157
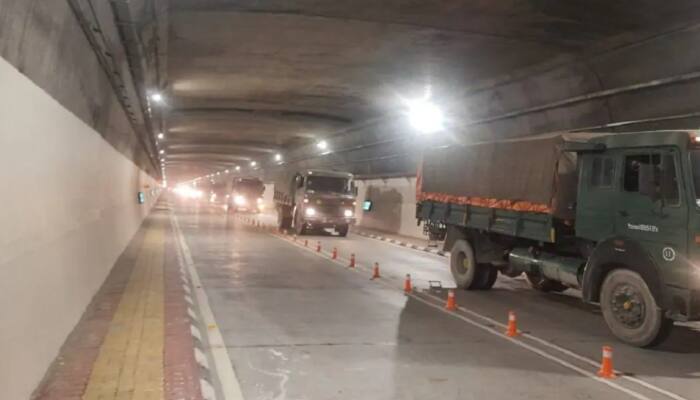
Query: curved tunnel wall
pixel 649 84
pixel 72 167
pixel 69 208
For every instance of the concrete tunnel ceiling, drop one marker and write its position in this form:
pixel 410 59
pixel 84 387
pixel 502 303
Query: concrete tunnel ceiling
pixel 247 79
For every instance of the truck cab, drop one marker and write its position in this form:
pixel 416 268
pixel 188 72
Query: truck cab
pixel 319 199
pixel 638 202
pixel 246 195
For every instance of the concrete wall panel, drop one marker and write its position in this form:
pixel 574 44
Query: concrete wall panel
pixel 69 208
pixel 393 208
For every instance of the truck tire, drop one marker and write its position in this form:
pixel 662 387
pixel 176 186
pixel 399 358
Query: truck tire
pixel 487 276
pixel 299 226
pixel 342 230
pixel 284 221
pixel 466 272
pixel 630 310
pixel 542 284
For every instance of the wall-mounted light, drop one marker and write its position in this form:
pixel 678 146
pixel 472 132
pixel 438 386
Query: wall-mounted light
pixel 156 97
pixel 278 157
pixel 238 167
pixel 253 163
pixel 161 136
pixel 227 171
pixel 162 151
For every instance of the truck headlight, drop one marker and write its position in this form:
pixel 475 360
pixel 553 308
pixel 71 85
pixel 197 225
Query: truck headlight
pixel 310 211
pixel 239 200
pixel 347 213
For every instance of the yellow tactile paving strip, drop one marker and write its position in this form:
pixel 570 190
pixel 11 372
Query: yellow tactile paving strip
pixel 130 361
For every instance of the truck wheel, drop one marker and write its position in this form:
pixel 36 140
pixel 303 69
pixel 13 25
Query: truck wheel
pixel 487 276
pixel 630 309
pixel 342 230
pixel 284 221
pixel 299 227
pixel 463 266
pixel 542 284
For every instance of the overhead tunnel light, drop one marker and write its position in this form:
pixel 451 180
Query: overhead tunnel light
pixel 156 97
pixel 278 157
pixel 238 167
pixel 253 163
pixel 322 145
pixel 161 136
pixel 162 151
pixel 425 116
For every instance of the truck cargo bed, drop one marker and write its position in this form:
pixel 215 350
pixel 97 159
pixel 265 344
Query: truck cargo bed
pixel 528 225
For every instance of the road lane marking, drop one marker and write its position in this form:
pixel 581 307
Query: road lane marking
pixel 230 386
pixel 361 268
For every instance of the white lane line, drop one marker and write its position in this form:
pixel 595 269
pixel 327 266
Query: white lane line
pixel 415 248
pixel 568 352
pixel 230 387
pixel 208 392
pixel 535 350
pixel 563 350
pixel 358 267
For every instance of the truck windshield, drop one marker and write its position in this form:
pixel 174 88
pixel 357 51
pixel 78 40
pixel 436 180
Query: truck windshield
pixel 252 186
pixel 695 161
pixel 327 184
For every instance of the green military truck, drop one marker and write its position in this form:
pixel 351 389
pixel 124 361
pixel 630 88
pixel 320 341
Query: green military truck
pixel 615 215
pixel 308 200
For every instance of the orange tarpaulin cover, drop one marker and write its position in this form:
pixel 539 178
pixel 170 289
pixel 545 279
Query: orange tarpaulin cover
pixel 513 205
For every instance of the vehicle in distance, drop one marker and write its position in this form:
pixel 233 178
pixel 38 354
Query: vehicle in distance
pixel 315 199
pixel 246 195
pixel 615 215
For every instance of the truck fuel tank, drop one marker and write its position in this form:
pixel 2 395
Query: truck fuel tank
pixel 555 267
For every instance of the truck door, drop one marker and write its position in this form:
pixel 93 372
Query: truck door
pixel 597 190
pixel 650 207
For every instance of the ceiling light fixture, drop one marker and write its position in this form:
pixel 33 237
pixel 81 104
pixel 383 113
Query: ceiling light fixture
pixel 424 115
pixel 156 97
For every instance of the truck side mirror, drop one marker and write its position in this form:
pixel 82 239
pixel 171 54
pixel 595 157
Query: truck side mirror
pixel 647 181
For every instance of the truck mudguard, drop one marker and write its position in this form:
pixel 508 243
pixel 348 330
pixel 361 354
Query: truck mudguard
pixel 619 252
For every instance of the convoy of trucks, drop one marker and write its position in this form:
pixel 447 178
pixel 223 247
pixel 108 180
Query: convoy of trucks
pixel 614 215
pixel 309 200
pixel 246 195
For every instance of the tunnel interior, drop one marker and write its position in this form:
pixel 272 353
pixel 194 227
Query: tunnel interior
pixel 106 106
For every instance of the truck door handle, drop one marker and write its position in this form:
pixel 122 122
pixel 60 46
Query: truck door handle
pixel 623 213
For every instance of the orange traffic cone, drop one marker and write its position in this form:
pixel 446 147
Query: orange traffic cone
pixel 375 271
pixel 334 255
pixel 318 246
pixel 450 305
pixel 512 325
pixel 407 288
pixel 606 366
pixel 352 260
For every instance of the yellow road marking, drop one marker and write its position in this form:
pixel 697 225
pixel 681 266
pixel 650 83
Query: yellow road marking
pixel 130 362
